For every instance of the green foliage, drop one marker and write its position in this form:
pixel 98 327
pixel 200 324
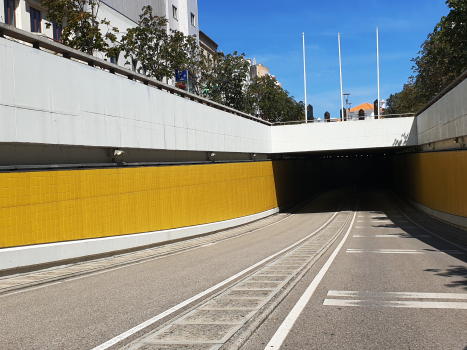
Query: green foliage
pixel 226 77
pixel 406 101
pixel 444 54
pixel 152 51
pixel 442 58
pixel 274 104
pixel 149 45
pixel 81 30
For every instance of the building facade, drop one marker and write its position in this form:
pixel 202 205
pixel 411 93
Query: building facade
pixel 30 15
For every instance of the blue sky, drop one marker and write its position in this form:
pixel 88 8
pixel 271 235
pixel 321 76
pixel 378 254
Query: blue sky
pixel 271 31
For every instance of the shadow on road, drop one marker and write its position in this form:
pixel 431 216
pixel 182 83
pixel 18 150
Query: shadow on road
pixel 453 272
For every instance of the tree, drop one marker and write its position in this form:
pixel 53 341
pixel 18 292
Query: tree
pixel 197 66
pixel 273 103
pixel 406 101
pixel 442 58
pixel 148 45
pixel 226 80
pixel 81 30
pixel 444 54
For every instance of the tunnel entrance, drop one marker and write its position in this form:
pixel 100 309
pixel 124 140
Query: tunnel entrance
pixel 362 169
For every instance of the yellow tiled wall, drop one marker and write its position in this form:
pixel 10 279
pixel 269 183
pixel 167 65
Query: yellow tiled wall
pixel 53 206
pixel 437 180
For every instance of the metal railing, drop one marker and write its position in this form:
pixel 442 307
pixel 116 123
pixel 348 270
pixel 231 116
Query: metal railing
pixel 332 120
pixel 41 42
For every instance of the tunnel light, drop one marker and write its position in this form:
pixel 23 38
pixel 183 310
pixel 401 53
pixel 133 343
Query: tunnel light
pixel 456 140
pixel 213 154
pixel 118 152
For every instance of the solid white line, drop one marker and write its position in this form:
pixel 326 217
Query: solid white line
pixel 408 304
pixel 177 307
pixel 349 293
pixel 284 329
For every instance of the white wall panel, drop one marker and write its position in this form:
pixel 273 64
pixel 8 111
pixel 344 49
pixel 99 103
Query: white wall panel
pixel 344 135
pixel 59 101
pixel 446 119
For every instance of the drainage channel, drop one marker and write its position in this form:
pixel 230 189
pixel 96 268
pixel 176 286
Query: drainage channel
pixel 65 272
pixel 214 322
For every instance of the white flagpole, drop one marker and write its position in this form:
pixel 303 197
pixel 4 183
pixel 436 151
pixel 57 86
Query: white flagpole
pixel 304 77
pixel 340 67
pixel 377 49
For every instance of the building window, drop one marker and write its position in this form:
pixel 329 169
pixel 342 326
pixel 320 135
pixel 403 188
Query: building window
pixel 174 12
pixel 57 28
pixel 193 20
pixel 10 12
pixel 35 20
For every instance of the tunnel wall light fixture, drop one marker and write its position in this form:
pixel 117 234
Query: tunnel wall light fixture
pixel 118 152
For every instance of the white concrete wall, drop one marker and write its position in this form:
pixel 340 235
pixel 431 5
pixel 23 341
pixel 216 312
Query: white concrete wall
pixel 372 133
pixel 446 119
pixel 47 99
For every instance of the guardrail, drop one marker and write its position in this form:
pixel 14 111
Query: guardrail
pixel 40 42
pixel 332 120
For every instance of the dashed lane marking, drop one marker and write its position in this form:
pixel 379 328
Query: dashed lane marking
pixel 401 235
pixel 380 299
pixel 413 295
pixel 407 304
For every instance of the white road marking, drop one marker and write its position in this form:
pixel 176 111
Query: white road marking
pixel 402 235
pixel 360 227
pixel 284 329
pixel 412 295
pixel 198 296
pixel 407 304
pixel 403 251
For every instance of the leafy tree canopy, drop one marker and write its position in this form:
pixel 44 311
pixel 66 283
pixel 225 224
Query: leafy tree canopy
pixel 442 58
pixel 81 30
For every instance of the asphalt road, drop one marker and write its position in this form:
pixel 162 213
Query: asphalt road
pixel 86 312
pixel 392 285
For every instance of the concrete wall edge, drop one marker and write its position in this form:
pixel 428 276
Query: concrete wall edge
pixel 456 220
pixel 19 257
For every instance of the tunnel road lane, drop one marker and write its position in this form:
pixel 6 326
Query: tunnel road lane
pixel 404 289
pixel 87 312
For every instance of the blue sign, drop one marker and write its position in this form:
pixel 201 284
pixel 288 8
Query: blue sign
pixel 181 75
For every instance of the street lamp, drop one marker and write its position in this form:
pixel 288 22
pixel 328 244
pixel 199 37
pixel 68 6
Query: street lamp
pixel 346 96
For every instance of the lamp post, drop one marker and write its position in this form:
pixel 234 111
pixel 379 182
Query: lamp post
pixel 304 77
pixel 377 55
pixel 347 103
pixel 340 68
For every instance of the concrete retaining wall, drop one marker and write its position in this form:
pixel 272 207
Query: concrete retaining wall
pixel 47 99
pixel 362 134
pixel 446 119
